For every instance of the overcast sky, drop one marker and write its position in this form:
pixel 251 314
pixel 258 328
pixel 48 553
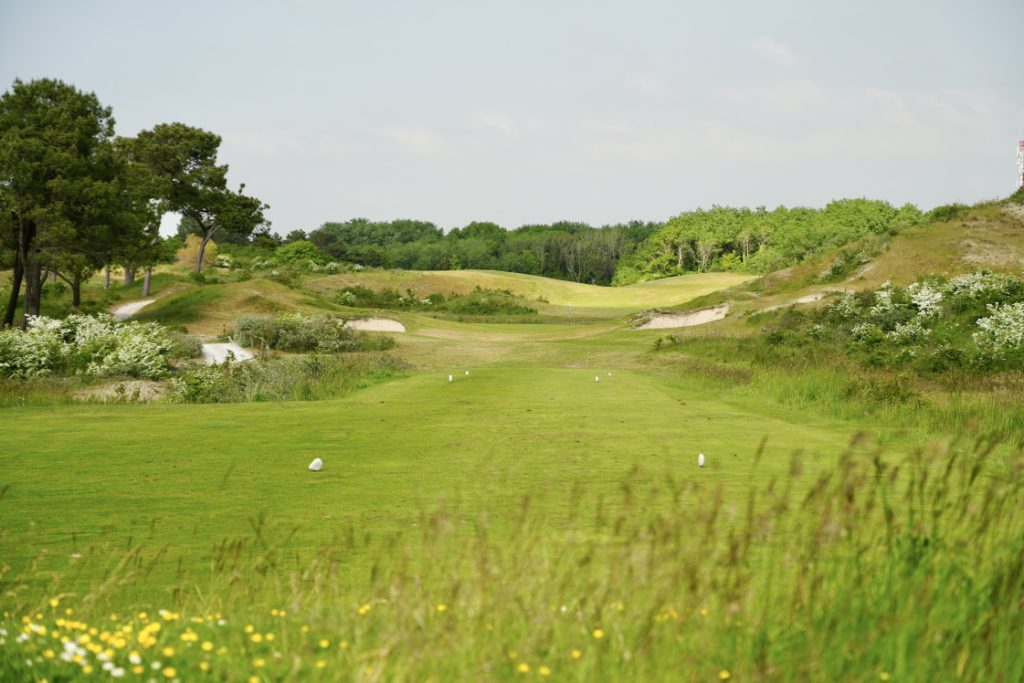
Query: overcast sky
pixel 524 111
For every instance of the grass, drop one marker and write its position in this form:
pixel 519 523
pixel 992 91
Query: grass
pixel 522 521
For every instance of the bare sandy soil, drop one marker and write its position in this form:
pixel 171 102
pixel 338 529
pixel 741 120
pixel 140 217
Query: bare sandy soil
pixel 375 325
pixel 665 321
pixel 126 311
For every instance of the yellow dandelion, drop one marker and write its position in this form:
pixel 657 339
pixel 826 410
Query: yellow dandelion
pixel 259 662
pixel 170 672
pixel 54 602
pixel 884 676
pixel 167 652
pixel 703 611
pixel 343 645
pixel 207 646
pixel 49 654
pixel 249 628
pixel 67 611
pixel 364 609
pixel 305 628
pixel 544 671
pixel 273 612
pixel 576 654
pixel 254 679
pixel 87 669
pixel 256 637
pixel 143 616
pixel 724 675
pixel 324 643
pixel 222 650
pixel 523 668
pixel 598 633
pixel 270 637
pixel 441 607
pixel 138 669
pixel 204 666
pixel 320 663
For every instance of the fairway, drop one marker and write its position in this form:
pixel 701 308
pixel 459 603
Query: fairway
pixel 108 476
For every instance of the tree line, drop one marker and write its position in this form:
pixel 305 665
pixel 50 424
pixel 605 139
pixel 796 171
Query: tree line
pixel 76 198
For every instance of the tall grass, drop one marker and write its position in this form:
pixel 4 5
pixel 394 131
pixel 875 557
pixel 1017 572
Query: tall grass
pixel 880 568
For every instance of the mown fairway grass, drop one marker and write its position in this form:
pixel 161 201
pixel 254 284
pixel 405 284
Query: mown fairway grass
pixel 521 522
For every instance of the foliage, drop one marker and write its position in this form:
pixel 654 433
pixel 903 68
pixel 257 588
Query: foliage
pixel 187 255
pixel 479 302
pixel 300 333
pixel 318 376
pixel 300 251
pixel 97 346
pixel 759 240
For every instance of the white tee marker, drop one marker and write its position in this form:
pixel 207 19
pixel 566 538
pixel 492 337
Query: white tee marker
pixel 467 373
pixel 596 378
pixel 700 460
pixel 450 378
pixel 316 465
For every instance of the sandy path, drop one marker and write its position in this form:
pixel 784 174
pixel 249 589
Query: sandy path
pixel 375 325
pixel 665 321
pixel 126 311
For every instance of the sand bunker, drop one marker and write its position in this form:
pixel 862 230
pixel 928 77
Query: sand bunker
pixel 375 325
pixel 126 311
pixel 664 321
pixel 215 354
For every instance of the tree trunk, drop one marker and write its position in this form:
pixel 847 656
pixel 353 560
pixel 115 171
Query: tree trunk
pixel 33 286
pixel 76 291
pixel 106 283
pixel 12 300
pixel 202 250
pixel 129 275
pixel 146 280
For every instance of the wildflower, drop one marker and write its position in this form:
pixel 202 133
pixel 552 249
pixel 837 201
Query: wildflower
pixel 598 633
pixel 523 668
pixel 343 645
pixel 884 676
pixel 49 654
pixel 249 628
pixel 168 652
pixel 270 637
pixel 320 663
pixel 703 611
pixel 87 669
pixel 204 666
pixel 324 643
pixel 135 658
pixel 364 609
pixel 544 671
pixel 512 654
pixel 259 662
pixel 254 679
pixel 256 638
pixel 54 602
pixel 207 646
pixel 138 669
pixel 170 672
pixel 117 672
pixel 576 654
pixel 724 675
pixel 441 607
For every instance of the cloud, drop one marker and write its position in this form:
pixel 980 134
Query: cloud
pixel 773 51
pixel 419 139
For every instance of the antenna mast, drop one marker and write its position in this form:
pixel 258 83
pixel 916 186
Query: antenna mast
pixel 1020 164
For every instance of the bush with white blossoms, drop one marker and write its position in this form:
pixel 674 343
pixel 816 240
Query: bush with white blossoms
pixel 883 299
pixel 908 332
pixel 980 283
pixel 845 307
pixel 925 298
pixel 1002 330
pixel 94 345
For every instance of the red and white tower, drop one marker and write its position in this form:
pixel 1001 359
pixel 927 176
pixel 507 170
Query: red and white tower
pixel 1020 164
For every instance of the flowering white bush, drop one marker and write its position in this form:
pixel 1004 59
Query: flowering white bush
pixel 908 332
pixel 864 331
pixel 925 298
pixel 845 306
pixel 97 345
pixel 883 299
pixel 974 285
pixel 1001 331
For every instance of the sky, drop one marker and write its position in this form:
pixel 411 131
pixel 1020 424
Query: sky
pixel 537 111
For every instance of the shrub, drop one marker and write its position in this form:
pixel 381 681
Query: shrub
pixel 1002 331
pixel 300 333
pixel 93 345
